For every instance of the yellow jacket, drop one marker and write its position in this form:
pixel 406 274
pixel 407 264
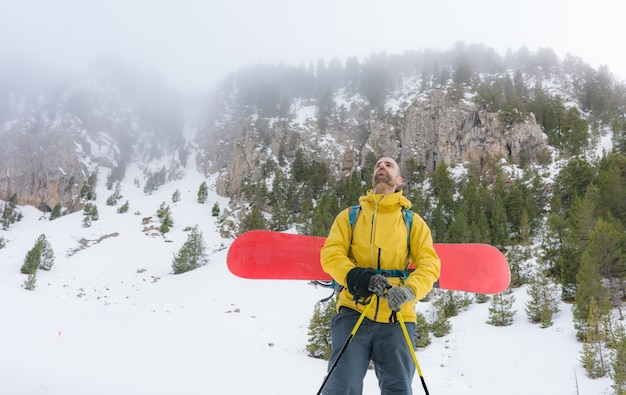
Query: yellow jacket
pixel 380 242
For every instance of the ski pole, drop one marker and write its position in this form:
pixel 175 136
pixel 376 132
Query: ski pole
pixel 345 346
pixel 408 342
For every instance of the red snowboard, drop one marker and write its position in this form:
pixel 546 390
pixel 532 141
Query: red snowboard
pixel 261 254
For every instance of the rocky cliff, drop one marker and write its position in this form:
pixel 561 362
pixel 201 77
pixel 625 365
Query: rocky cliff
pixel 430 129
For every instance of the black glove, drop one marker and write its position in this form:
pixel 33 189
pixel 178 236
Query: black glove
pixel 378 284
pixel 358 281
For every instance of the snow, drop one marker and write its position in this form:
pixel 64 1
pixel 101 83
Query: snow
pixel 111 318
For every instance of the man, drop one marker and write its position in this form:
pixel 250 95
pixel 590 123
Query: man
pixel 379 242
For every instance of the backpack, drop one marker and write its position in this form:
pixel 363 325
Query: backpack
pixel 353 213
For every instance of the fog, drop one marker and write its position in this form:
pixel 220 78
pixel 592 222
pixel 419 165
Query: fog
pixel 193 44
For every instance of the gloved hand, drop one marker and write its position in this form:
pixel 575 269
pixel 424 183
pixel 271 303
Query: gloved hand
pixel 397 296
pixel 378 284
pixel 358 280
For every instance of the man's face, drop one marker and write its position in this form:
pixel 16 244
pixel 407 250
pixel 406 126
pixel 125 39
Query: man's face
pixel 386 174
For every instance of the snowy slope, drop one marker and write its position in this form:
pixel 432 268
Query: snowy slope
pixel 111 319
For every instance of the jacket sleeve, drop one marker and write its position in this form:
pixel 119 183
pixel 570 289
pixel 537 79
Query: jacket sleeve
pixel 425 259
pixel 334 254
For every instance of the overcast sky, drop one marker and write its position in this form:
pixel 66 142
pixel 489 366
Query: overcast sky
pixel 194 43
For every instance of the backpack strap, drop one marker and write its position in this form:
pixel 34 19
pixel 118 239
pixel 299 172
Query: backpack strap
pixel 407 216
pixel 353 213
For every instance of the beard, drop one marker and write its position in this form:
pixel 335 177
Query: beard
pixel 384 179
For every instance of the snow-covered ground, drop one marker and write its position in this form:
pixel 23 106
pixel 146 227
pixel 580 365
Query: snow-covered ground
pixel 110 318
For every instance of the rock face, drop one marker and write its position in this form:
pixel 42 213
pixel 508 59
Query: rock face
pixel 42 164
pixel 430 130
pixel 45 159
pixel 440 131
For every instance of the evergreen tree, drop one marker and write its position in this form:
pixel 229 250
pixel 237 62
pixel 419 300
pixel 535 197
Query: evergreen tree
pixel 449 303
pixel 31 282
pixel 215 211
pixel 589 289
pixel 253 220
pixel 575 237
pixel 176 196
pixel 304 218
pixel 46 260
pixel 32 259
pixel 203 192
pixel 3 242
pixel 498 222
pixel 324 215
pixel 440 324
pixel 90 212
pixel 192 254
pixel 612 186
pixel 164 213
pixel 518 256
pixel 88 190
pixel 422 331
pixel 618 360
pixel 116 196
pixel 594 353
pixel 298 167
pixel 123 208
pixel 544 299
pixel 56 212
pixel 501 309
pixel 319 343
pixel 10 213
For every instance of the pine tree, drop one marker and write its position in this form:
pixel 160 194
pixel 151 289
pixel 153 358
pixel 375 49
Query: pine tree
pixel 440 324
pixel 31 282
pixel 422 331
pixel 192 254
pixel 319 344
pixel 56 212
pixel 32 260
pixel 203 192
pixel 518 256
pixel 618 361
pixel 215 211
pixel 176 196
pixel 324 215
pixel 123 208
pixel 589 288
pixel 501 309
pixel 10 213
pixel 90 211
pixel 449 303
pixel 116 196
pixel 498 222
pixel 594 351
pixel 581 220
pixel 544 301
pixel 46 260
pixel 253 220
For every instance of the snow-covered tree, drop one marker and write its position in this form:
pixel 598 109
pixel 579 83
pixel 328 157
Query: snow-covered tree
pixel 192 254
pixel 46 255
pixel 545 297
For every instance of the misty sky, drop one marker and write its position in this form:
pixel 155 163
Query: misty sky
pixel 195 43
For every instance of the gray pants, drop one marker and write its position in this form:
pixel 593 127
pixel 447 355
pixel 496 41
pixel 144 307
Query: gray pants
pixel 383 343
